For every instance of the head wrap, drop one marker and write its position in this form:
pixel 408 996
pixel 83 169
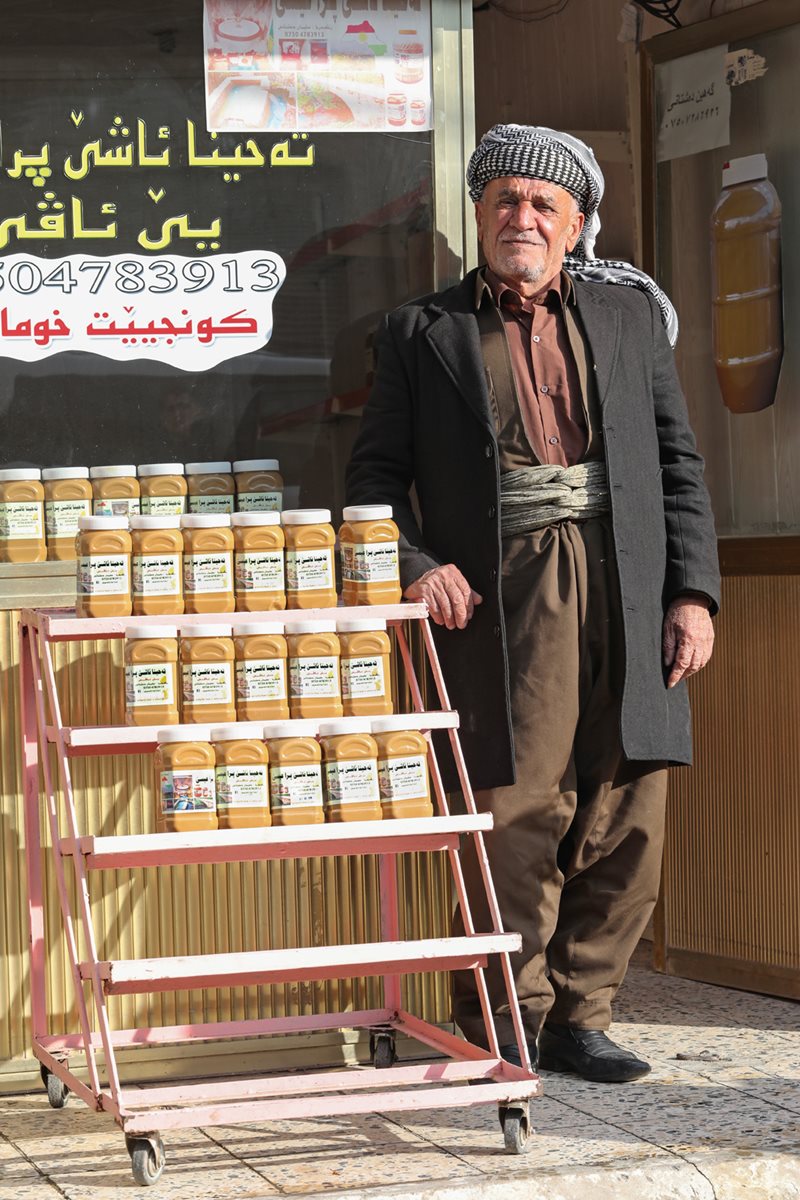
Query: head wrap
pixel 536 152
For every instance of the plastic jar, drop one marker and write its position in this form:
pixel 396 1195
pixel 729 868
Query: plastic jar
pixel 207 674
pixel 67 498
pixel 151 675
pixel 409 57
pixel 210 487
pixel 262 692
pixel 314 682
pixel 350 763
pixel 368 546
pixel 104 567
pixel 157 566
pixel 402 769
pixel 365 671
pixel 185 783
pixel 259 485
pixel 310 581
pixel 259 580
pixel 295 774
pixel 163 489
pixel 242 780
pixel 116 491
pixel 22 516
pixel 207 563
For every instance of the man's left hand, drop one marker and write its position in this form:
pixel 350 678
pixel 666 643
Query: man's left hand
pixel 688 638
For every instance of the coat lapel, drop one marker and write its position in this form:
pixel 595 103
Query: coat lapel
pixel 454 338
pixel 601 321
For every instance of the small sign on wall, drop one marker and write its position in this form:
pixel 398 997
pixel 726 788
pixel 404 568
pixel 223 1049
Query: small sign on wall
pixel 693 104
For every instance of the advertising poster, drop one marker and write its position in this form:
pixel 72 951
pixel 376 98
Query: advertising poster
pixel 306 66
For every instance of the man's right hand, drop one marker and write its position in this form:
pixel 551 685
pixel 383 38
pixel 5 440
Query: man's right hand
pixel 450 599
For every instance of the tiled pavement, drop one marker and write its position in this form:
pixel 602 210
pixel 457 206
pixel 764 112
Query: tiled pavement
pixel 718 1119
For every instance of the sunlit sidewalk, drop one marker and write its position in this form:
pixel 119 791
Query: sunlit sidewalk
pixel 718 1119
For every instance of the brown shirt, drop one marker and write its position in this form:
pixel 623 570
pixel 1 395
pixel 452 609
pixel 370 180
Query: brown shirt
pixel 546 377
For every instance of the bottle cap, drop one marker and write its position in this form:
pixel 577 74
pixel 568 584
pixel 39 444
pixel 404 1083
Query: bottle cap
pixel 94 524
pixel 743 170
pixel 160 469
pixel 135 632
pixel 209 468
pixel 367 512
pixel 306 516
pixel 253 630
pixel 361 625
pixel 138 522
pixel 345 725
pixel 18 474
pixel 179 733
pixel 65 473
pixel 198 631
pixel 252 731
pixel 122 472
pixel 205 521
pixel 256 464
pixel 286 729
pixel 254 519
pixel 312 627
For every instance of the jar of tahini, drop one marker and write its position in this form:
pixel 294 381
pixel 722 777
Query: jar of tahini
pixel 260 583
pixel 314 680
pixel 262 686
pixel 207 656
pixel 164 489
pixel 211 487
pixel 116 491
pixel 259 485
pixel 207 563
pixel 349 757
pixel 295 775
pixel 365 669
pixel 402 768
pixel 104 567
pixel 310 579
pixel 151 675
pixel 67 498
pixel 242 777
pixel 22 537
pixel 368 546
pixel 157 566
pixel 185 781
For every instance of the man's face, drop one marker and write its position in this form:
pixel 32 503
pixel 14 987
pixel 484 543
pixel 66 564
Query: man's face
pixel 526 226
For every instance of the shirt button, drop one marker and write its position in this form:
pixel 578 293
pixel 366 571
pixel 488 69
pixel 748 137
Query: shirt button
pixel 553 441
pixel 491 511
pixel 493 574
pixel 544 388
pixel 496 631
pixel 489 450
pixel 536 337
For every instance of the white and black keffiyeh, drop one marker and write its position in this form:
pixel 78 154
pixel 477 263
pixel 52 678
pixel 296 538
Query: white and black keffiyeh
pixel 536 152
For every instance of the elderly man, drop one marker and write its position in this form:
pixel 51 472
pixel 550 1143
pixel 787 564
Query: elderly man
pixel 566 549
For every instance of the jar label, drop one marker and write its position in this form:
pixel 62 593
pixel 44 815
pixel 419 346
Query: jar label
pixel 22 519
pixel 149 684
pixel 207 683
pixel 351 782
pixel 208 572
pixel 104 575
pixel 122 506
pixel 188 791
pixel 259 501
pixel 363 677
pixel 296 786
pixel 242 787
pixel 314 676
pixel 374 562
pixel 309 570
pixel 261 679
pixel 163 506
pixel 157 575
pixel 211 504
pixel 259 571
pixel 61 516
pixel 403 778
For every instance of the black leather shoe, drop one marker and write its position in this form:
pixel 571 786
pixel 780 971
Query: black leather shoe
pixel 589 1053
pixel 511 1054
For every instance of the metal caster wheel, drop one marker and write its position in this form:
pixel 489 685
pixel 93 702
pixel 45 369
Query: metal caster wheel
pixel 515 1120
pixel 382 1050
pixel 57 1091
pixel 147 1158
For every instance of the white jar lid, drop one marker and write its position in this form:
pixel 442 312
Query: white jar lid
pixel 209 468
pixel 306 516
pixel 135 632
pixel 287 729
pixel 252 630
pixel 160 469
pixel 312 627
pixel 367 512
pixel 205 521
pixel 743 170
pixel 65 473
pixel 112 472
pixel 19 474
pixel 178 733
pixel 361 625
pixel 254 519
pixel 256 464
pixel 93 524
pixel 393 723
pixel 198 631
pixel 345 725
pixel 138 522
pixel 246 731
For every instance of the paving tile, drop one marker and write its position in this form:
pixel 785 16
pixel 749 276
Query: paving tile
pixel 298 1173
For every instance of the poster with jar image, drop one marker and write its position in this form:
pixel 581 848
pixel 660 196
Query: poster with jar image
pixel 308 66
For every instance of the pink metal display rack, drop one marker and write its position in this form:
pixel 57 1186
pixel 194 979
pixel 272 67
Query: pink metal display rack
pixel 145 1112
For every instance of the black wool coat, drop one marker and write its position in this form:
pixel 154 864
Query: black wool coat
pixel 428 423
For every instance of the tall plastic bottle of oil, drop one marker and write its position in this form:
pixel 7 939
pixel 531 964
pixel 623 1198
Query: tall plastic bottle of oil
pixel 747 325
